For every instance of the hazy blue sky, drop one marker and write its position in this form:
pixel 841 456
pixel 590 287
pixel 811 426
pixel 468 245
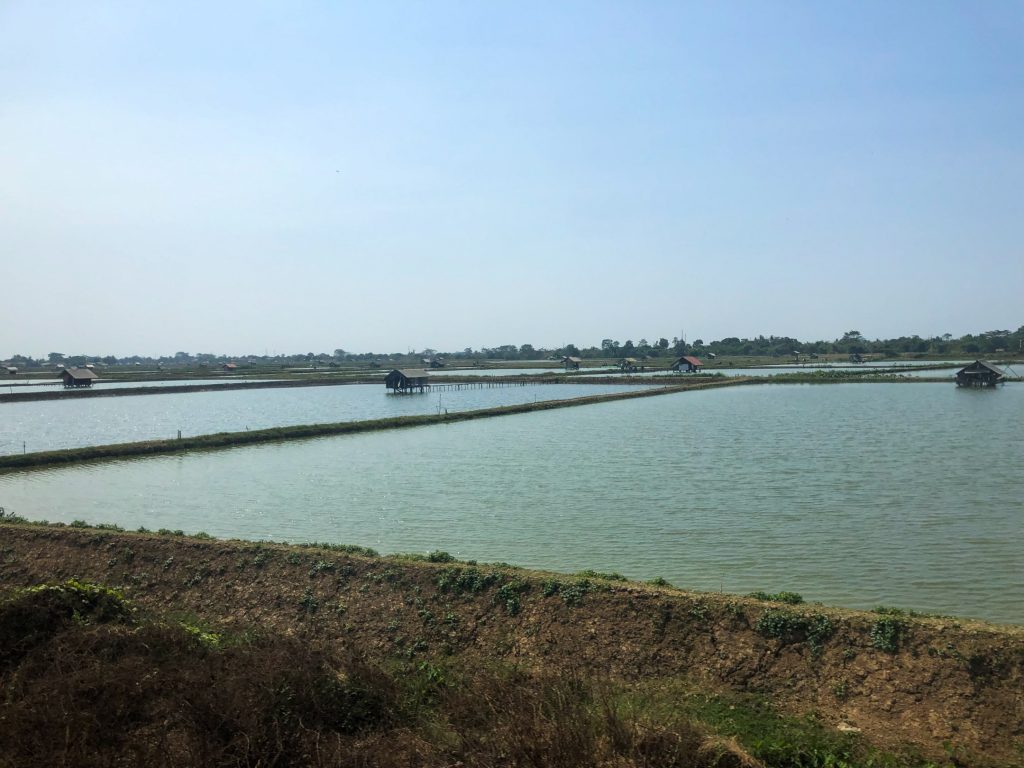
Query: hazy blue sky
pixel 250 176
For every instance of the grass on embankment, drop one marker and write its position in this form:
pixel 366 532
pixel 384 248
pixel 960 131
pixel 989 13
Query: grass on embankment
pixel 277 434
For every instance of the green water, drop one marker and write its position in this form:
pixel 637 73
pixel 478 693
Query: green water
pixel 852 494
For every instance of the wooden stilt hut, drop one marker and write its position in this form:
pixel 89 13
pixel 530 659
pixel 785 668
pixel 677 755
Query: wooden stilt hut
pixel 78 377
pixel 407 381
pixel 979 374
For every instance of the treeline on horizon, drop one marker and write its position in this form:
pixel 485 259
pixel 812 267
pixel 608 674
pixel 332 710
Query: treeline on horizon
pixel 851 342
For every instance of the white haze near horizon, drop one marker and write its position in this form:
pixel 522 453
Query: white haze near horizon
pixel 254 177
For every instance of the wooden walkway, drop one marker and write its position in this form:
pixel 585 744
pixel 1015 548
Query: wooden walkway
pixel 481 384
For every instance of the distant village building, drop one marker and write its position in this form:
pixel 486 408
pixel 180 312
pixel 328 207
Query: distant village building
pixel 571 363
pixel 78 377
pixel 979 374
pixel 407 380
pixel 687 364
pixel 12 370
pixel 230 366
pixel 628 365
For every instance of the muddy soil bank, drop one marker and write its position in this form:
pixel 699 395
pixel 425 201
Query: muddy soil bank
pixel 942 684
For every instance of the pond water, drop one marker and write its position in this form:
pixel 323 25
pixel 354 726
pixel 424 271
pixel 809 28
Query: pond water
pixel 50 424
pixel 852 494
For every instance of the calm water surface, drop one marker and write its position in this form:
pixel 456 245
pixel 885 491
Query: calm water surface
pixel 852 494
pixel 50 424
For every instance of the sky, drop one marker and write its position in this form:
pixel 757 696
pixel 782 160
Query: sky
pixel 251 177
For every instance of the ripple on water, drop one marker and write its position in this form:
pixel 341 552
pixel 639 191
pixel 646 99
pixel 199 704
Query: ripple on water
pixel 854 494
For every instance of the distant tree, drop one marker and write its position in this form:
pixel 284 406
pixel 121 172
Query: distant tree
pixel 526 352
pixel 55 357
pixel 663 343
pixel 339 353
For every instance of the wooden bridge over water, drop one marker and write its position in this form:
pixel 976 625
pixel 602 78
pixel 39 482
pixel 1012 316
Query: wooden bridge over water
pixel 483 384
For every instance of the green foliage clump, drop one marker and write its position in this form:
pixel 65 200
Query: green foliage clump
pixel 463 580
pixel 790 598
pixel 437 556
pixel 612 576
pixel 659 582
pixel 887 632
pixel 572 592
pixel 309 603
pixel 510 594
pixel 11 518
pixel 349 549
pixel 789 627
pixel 321 566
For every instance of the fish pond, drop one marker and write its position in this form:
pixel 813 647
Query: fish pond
pixel 46 425
pixel 859 495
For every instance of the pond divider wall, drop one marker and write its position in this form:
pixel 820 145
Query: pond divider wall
pixel 66 456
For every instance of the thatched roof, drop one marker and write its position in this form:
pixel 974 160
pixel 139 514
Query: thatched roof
pixel 411 373
pixel 979 364
pixel 79 373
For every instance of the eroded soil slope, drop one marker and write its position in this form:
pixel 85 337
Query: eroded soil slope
pixel 942 684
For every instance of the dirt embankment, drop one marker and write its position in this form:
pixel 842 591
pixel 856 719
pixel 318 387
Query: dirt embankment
pixel 941 684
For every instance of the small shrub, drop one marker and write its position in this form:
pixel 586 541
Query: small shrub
pixel 440 557
pixel 462 580
pixel 887 632
pixel 10 517
pixel 510 593
pixel 309 603
pixel 349 549
pixel 321 566
pixel 659 582
pixel 574 593
pixel 789 627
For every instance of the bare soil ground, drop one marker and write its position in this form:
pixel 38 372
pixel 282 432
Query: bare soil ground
pixel 947 686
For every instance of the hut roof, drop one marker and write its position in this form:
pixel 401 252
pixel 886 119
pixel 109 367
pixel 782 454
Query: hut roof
pixel 690 359
pixel 572 359
pixel 412 373
pixel 80 373
pixel 983 364
pixel 629 359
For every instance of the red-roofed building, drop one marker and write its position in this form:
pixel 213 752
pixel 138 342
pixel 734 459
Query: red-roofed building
pixel 687 364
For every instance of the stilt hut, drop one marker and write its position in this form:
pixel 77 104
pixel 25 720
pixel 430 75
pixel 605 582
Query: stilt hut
pixel 687 364
pixel 571 363
pixel 628 365
pixel 78 377
pixel 979 374
pixel 407 380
